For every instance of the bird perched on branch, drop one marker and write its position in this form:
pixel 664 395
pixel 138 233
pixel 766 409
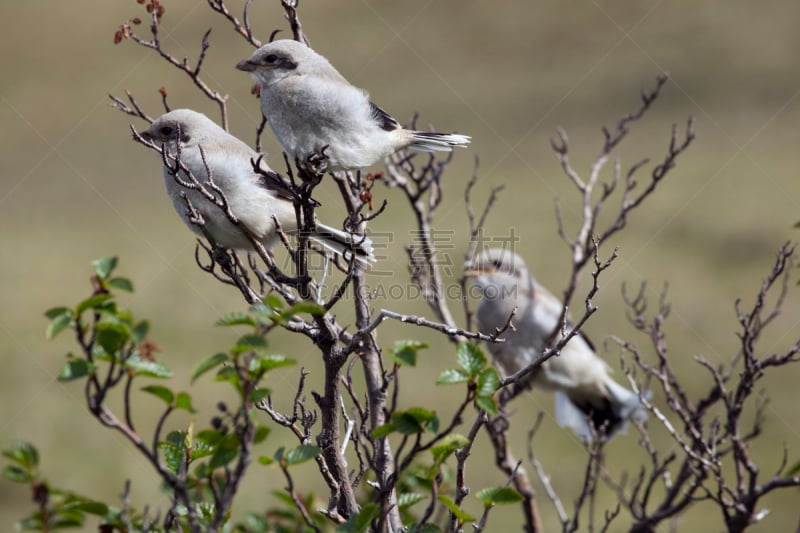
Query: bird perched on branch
pixel 587 399
pixel 309 106
pixel 256 199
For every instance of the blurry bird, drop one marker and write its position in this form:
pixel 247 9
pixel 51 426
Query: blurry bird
pixel 252 197
pixel 309 105
pixel 584 391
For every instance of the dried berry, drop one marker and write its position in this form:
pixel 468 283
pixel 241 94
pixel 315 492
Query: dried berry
pixel 163 91
pixel 137 21
pixel 118 37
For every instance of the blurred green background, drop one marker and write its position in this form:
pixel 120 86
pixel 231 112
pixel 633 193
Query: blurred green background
pixel 73 187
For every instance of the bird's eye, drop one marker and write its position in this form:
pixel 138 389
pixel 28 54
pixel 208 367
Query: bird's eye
pixel 497 264
pixel 271 58
pixel 166 131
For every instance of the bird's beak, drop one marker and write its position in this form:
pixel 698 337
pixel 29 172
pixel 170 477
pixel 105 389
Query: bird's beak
pixel 471 272
pixel 246 65
pixel 146 135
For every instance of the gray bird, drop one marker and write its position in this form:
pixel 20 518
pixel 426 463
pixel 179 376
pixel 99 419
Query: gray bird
pixel 309 105
pixel 585 393
pixel 252 197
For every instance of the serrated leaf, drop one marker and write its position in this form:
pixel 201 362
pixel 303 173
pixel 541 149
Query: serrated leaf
pixel 160 392
pixel 112 336
pixel 405 352
pixel 148 368
pixel 208 364
pixel 488 381
pixel 407 499
pixel 498 496
pixel 487 403
pixel 269 362
pixel 301 454
pixel 459 513
pixel 451 376
pixel 104 266
pixel 383 430
pixel 123 284
pixel 173 455
pixel 360 523
pixel 471 358
pixel 184 401
pixel 16 474
pixel 236 319
pixel 76 369
pixel 58 324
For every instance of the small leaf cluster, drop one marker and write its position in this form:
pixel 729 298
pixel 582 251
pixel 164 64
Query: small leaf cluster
pixel 475 370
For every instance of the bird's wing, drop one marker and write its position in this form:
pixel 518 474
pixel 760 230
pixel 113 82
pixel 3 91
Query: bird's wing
pixel 274 182
pixel 386 121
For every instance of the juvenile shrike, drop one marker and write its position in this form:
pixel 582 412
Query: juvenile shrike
pixel 253 198
pixel 584 391
pixel 309 105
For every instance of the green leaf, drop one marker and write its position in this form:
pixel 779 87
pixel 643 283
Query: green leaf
pixel 407 499
pixel 305 307
pixel 415 420
pixel 405 352
pixel 123 284
pixel 453 375
pixel 112 336
pixel 488 381
pixel 360 523
pixel 16 474
pixel 794 470
pixel 236 319
pixel 261 434
pixel 487 403
pixel 161 392
pixel 264 460
pixel 226 452
pixel 23 453
pixel 383 430
pixel 459 513
pixel 248 343
pixel 184 401
pixel 446 447
pixel 301 454
pixel 93 302
pixel 471 358
pixel 268 362
pixel 149 369
pixel 139 331
pixel 208 364
pixel 104 266
pixel 58 324
pixel 76 369
pixel 498 496
pixel 173 454
pixel 56 311
pixel 88 506
pixel 259 394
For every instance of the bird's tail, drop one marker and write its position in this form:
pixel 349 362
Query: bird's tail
pixel 437 142
pixel 345 244
pixel 602 416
